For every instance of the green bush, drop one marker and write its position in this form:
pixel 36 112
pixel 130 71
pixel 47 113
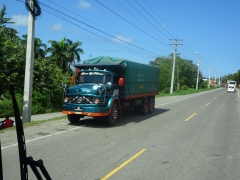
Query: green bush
pixel 6 106
pixel 166 90
pixel 184 87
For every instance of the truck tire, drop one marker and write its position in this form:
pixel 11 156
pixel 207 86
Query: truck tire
pixel 113 116
pixel 150 105
pixel 73 118
pixel 144 106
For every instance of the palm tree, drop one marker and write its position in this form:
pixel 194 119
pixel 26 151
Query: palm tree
pixel 65 52
pixel 2 19
pixel 58 52
pixel 40 49
pixel 73 52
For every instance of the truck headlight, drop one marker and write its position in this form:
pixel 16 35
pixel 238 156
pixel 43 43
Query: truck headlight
pixel 66 99
pixel 96 101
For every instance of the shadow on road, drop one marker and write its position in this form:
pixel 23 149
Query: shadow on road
pixel 129 116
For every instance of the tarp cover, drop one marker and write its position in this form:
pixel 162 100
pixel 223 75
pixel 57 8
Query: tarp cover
pixel 104 60
pixel 138 78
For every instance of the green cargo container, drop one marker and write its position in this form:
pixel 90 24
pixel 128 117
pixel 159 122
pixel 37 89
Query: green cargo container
pixel 139 78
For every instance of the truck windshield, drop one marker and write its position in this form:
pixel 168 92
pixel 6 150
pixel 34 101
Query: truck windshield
pixel 232 82
pixel 94 77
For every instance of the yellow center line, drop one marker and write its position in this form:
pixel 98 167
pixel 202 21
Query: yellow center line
pixel 207 104
pixel 123 164
pixel 191 116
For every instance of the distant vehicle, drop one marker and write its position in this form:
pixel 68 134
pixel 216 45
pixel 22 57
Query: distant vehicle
pixel 233 83
pixel 231 88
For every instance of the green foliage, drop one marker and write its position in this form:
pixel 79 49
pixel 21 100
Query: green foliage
pixel 185 72
pixel 51 68
pixel 64 53
pixel 165 90
pixel 234 77
pixel 184 87
pixel 203 85
pixel 6 107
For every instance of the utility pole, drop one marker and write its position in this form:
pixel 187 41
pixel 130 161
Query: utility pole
pixel 198 73
pixel 34 10
pixel 209 76
pixel 215 82
pixel 174 60
pixel 219 79
pixel 178 79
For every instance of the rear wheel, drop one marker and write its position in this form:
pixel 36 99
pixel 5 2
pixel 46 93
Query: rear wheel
pixel 73 118
pixel 150 105
pixel 144 106
pixel 113 116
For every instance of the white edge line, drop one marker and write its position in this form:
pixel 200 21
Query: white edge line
pixel 5 147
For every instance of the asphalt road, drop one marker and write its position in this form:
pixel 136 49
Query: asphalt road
pixel 186 137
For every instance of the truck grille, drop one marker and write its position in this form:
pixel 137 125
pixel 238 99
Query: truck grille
pixel 80 100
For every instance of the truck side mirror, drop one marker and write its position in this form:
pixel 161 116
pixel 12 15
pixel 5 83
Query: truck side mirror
pixel 121 81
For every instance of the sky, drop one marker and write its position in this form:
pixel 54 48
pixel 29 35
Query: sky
pixel 205 31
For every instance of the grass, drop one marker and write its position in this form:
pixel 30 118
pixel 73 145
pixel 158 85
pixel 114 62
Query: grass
pixel 183 92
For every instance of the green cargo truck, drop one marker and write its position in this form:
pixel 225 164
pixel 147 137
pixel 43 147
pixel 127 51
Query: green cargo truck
pixel 107 86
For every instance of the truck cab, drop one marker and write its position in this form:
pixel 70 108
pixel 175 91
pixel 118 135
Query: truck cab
pixel 92 95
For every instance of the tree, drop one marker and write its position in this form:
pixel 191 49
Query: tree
pixel 64 53
pixel 185 75
pixel 11 56
pixel 73 51
pixel 40 49
pixel 51 68
pixel 3 20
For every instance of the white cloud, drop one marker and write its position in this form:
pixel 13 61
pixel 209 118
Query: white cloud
pixel 20 20
pixel 121 39
pixel 84 4
pixel 57 27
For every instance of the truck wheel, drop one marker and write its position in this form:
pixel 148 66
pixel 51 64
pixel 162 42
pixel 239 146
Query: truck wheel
pixel 113 116
pixel 150 105
pixel 144 106
pixel 73 118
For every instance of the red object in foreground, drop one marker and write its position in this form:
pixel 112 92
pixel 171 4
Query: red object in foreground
pixel 8 123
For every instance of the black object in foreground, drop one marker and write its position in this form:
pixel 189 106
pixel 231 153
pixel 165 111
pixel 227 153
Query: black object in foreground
pixel 1 169
pixel 24 160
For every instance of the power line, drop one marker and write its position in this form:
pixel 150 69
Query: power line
pixel 96 29
pixel 130 22
pixel 100 24
pixel 116 44
pixel 160 18
pixel 152 18
pixel 137 18
pixel 144 18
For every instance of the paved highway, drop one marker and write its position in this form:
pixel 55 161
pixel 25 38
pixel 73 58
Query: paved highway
pixel 187 137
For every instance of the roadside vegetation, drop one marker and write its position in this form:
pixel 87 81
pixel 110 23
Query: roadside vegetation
pixel 52 69
pixel 185 92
